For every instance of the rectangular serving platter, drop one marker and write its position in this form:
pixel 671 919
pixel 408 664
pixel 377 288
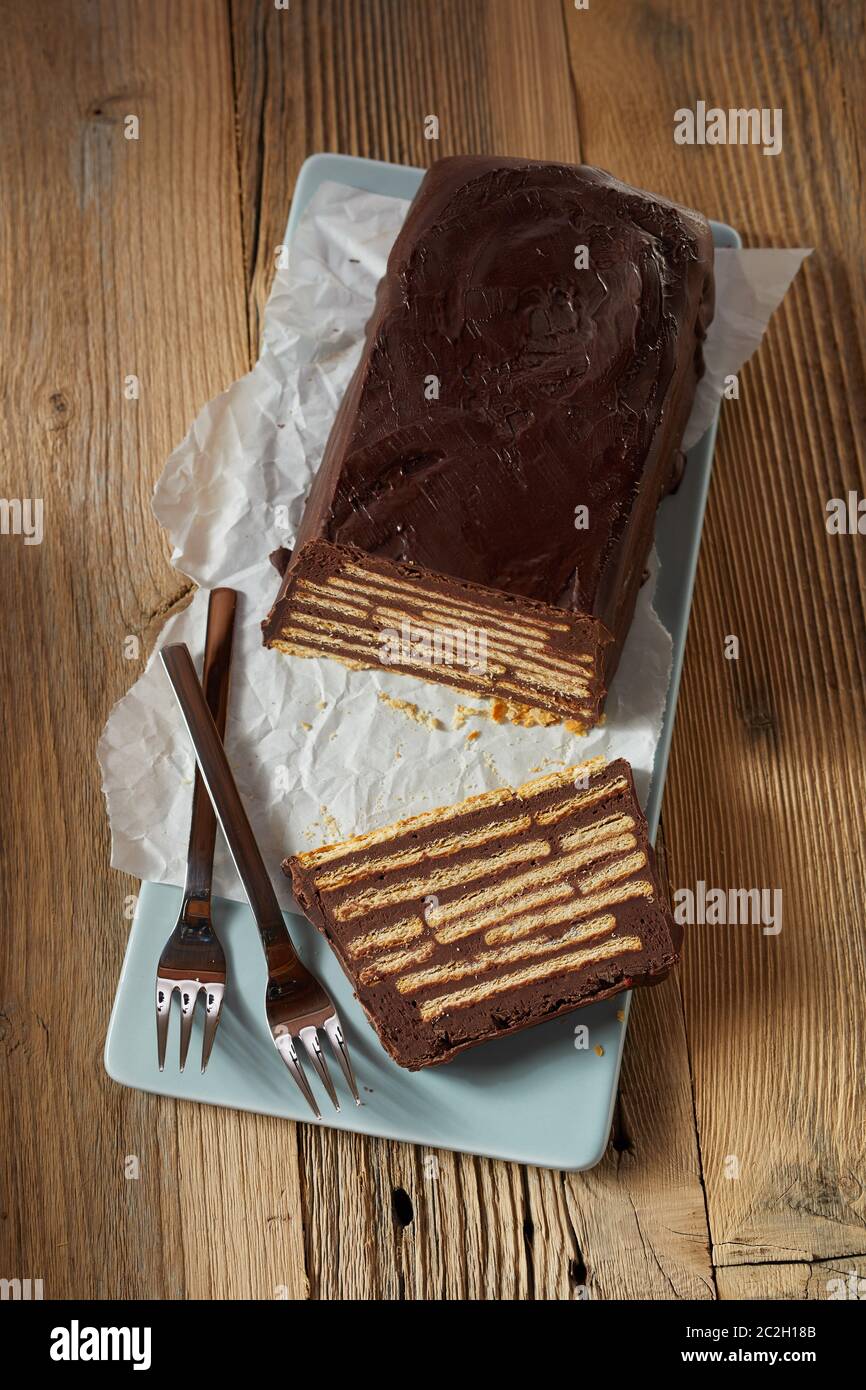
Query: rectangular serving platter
pixel 543 1097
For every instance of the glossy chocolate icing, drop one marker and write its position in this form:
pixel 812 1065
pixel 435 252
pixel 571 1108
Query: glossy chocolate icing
pixel 558 387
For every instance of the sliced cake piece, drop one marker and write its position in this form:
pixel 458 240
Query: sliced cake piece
pixel 541 664
pixel 504 910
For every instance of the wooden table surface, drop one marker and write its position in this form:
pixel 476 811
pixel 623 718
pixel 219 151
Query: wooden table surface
pixel 735 1167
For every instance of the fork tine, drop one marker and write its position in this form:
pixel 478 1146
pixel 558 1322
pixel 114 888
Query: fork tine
pixel 310 1038
pixel 164 991
pixel 286 1048
pixel 188 999
pixel 213 1002
pixel 334 1030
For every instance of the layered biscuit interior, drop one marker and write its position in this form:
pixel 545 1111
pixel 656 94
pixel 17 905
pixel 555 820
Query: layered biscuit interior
pixel 540 664
pixel 495 913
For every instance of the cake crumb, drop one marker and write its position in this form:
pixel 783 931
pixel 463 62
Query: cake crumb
pixel 323 704
pixel 524 715
pixel 620 1013
pixel 529 717
pixel 306 726
pixel 418 716
pixel 547 762
pixel 471 737
pixel 502 711
pixel 330 825
pixel 464 712
pixel 574 726
pixel 599 1050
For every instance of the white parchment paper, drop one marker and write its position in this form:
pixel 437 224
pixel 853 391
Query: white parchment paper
pixel 317 753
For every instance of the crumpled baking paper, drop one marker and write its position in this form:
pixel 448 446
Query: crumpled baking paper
pixel 317 754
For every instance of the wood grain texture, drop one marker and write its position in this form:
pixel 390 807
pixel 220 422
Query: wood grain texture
pixel 119 257
pixel 765 763
pixel 154 257
pixel 842 1280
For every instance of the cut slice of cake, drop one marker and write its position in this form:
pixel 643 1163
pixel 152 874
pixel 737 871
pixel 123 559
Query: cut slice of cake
pixel 542 664
pixel 475 920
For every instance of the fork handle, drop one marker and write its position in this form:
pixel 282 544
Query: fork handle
pixel 215 682
pixel 220 783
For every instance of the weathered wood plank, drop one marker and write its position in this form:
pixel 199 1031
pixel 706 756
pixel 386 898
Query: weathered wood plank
pixel 119 257
pixel 767 769
pixel 840 1279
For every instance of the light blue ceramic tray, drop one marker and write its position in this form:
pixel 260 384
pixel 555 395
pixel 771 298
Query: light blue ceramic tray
pixel 533 1098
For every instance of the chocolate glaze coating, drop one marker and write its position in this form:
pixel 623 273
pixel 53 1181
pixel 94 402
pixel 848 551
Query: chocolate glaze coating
pixel 557 387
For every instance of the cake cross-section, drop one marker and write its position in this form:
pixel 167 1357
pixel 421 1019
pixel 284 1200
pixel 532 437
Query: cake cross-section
pixel 541 664
pixel 507 909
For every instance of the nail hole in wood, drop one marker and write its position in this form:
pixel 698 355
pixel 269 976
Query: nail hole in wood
pixel 402 1208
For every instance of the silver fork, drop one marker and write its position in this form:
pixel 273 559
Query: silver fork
pixel 192 959
pixel 296 1005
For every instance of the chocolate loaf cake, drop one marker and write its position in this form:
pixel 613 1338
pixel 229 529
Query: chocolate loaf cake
pixel 528 372
pixel 541 663
pixel 507 909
